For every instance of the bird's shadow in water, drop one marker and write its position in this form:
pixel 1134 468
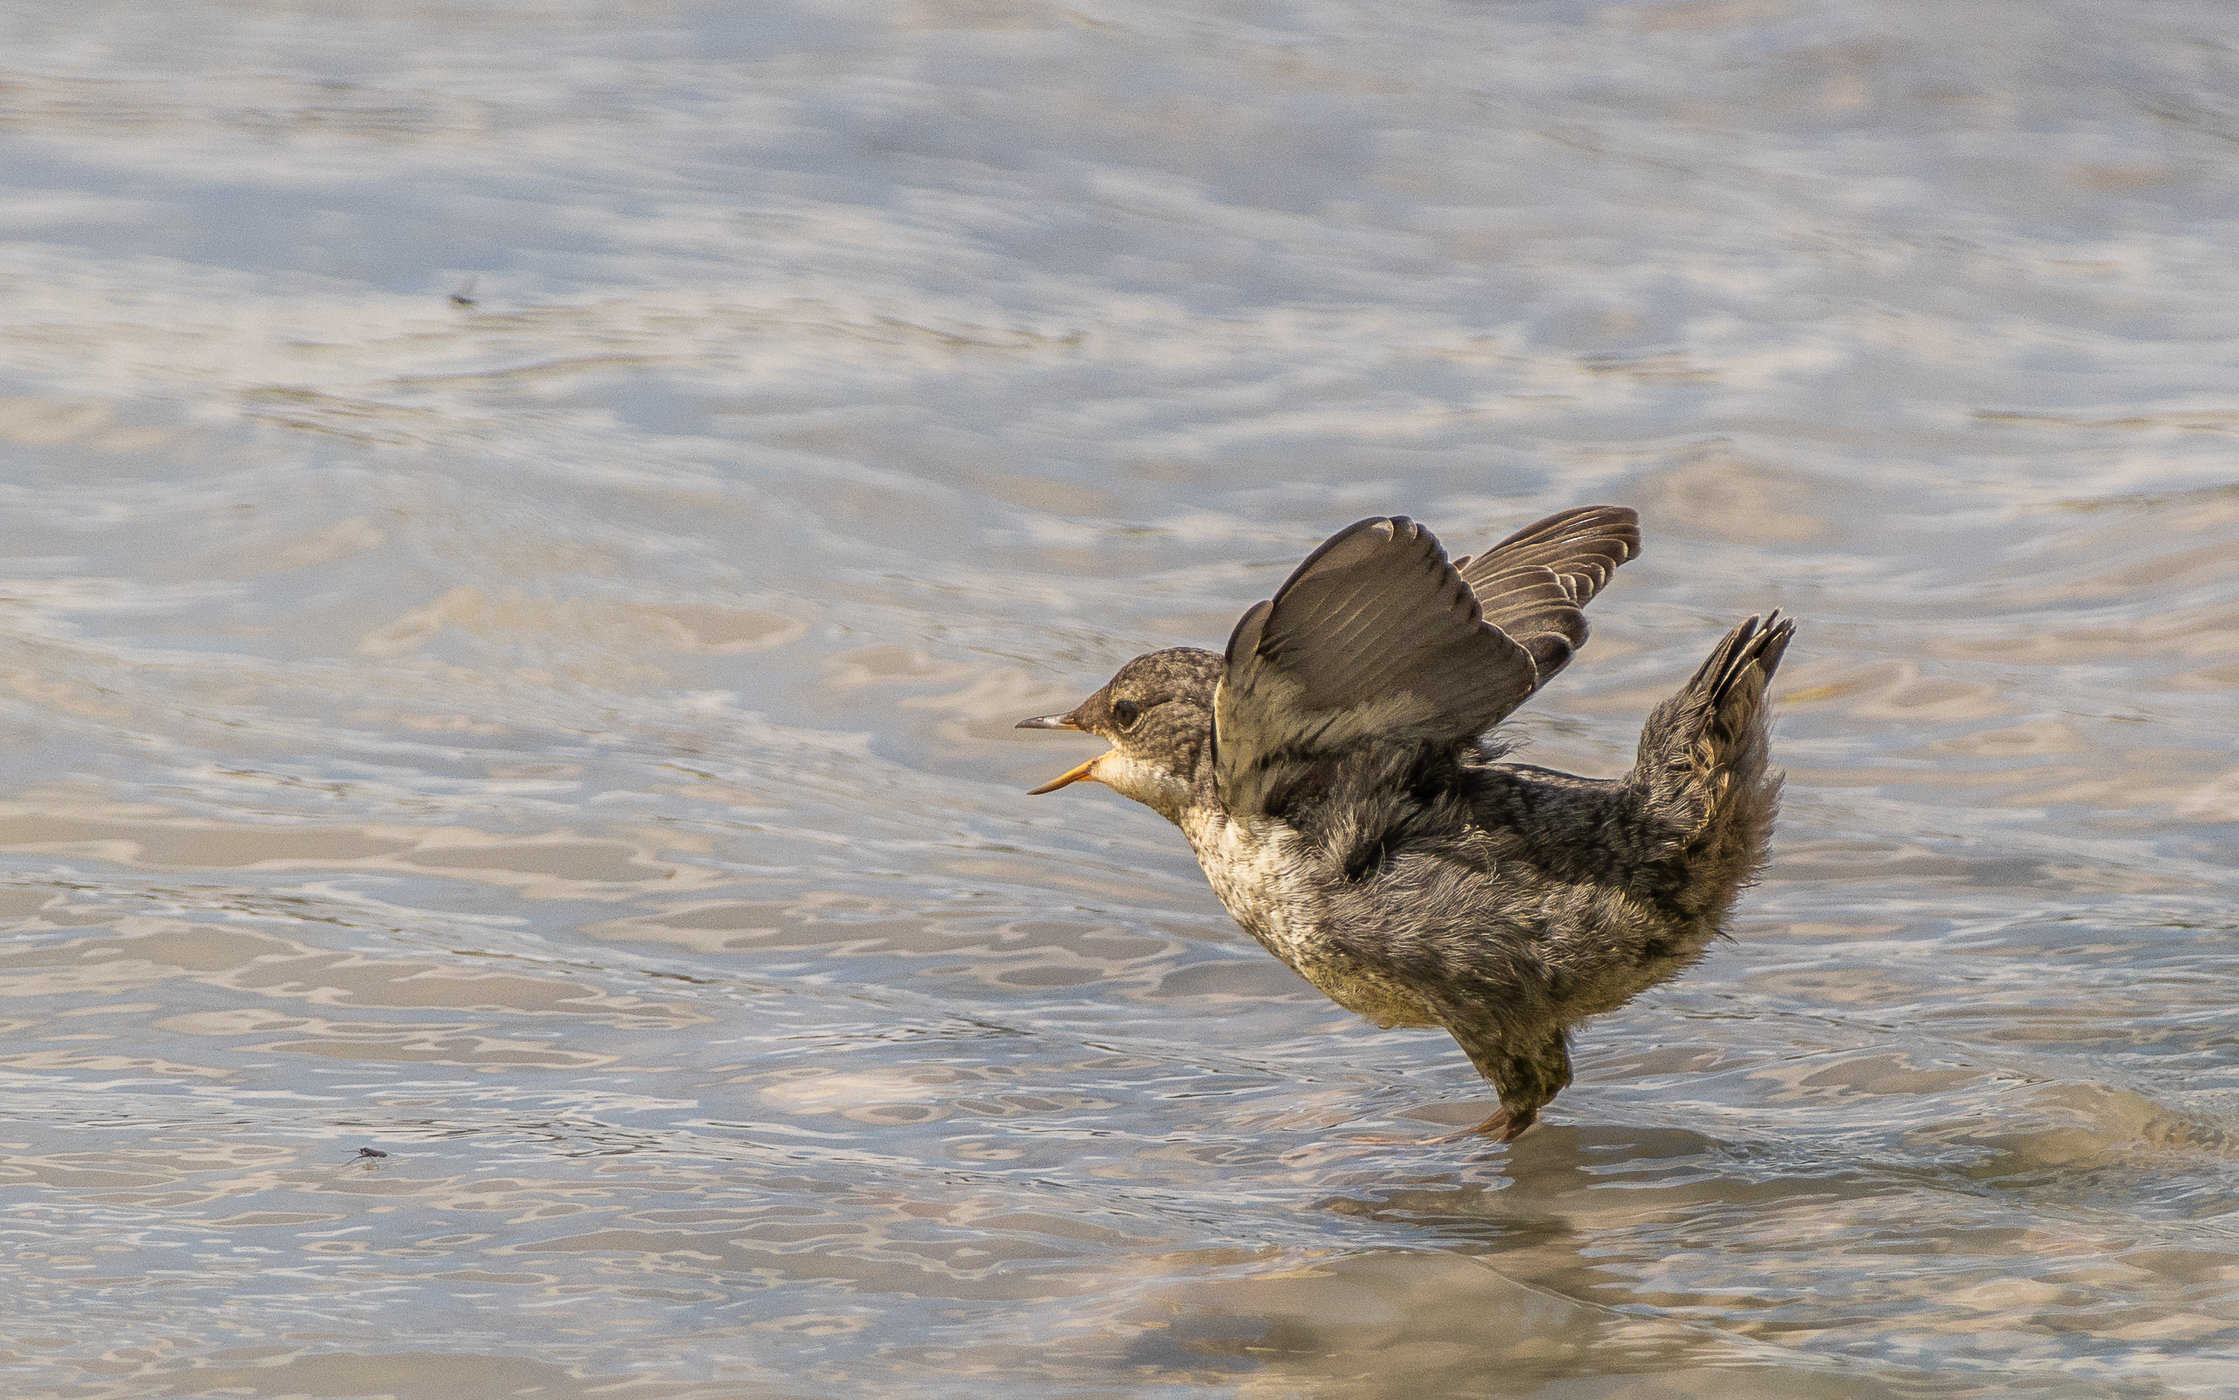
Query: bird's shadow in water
pixel 1559 1178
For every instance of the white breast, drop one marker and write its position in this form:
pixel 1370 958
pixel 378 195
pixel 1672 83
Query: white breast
pixel 1265 881
pixel 1255 871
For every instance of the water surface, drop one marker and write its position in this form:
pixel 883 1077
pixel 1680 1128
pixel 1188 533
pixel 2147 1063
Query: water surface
pixel 528 526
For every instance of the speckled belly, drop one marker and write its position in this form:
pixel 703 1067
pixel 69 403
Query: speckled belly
pixel 1256 872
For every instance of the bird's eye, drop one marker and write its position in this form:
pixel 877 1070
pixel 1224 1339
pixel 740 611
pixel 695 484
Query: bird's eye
pixel 1125 713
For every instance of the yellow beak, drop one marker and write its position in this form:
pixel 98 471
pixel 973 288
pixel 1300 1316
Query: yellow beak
pixel 1083 773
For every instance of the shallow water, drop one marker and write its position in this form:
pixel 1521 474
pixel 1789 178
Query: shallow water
pixel 563 742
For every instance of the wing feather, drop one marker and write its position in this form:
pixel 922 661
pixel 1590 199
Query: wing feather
pixel 1377 638
pixel 1373 638
pixel 1535 584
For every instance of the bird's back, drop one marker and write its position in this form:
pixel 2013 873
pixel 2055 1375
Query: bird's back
pixel 1523 886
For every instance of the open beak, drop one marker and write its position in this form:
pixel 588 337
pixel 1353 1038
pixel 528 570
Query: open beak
pixel 1083 773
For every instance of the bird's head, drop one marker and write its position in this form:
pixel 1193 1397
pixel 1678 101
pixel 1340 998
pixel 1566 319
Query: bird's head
pixel 1157 714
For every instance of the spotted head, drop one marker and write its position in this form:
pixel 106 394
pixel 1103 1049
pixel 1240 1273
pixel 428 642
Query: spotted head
pixel 1157 714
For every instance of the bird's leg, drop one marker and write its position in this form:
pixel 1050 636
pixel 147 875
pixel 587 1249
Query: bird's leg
pixel 1526 1083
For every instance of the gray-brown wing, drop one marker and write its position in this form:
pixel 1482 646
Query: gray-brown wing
pixel 1535 584
pixel 1373 637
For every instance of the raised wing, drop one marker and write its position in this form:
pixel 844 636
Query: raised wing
pixel 1374 637
pixel 1535 584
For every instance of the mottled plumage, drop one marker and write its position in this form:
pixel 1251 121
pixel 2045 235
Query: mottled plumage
pixel 1331 772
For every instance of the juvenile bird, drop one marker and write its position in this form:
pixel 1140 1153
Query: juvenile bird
pixel 1333 773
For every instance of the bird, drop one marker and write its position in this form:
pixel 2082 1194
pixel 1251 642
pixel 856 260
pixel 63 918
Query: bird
pixel 1338 773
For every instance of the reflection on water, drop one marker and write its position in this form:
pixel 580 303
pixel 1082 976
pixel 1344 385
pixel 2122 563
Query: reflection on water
pixel 563 741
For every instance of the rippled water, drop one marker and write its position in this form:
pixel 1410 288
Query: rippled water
pixel 563 741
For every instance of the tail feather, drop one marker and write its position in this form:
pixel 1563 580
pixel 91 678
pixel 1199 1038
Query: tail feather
pixel 1702 773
